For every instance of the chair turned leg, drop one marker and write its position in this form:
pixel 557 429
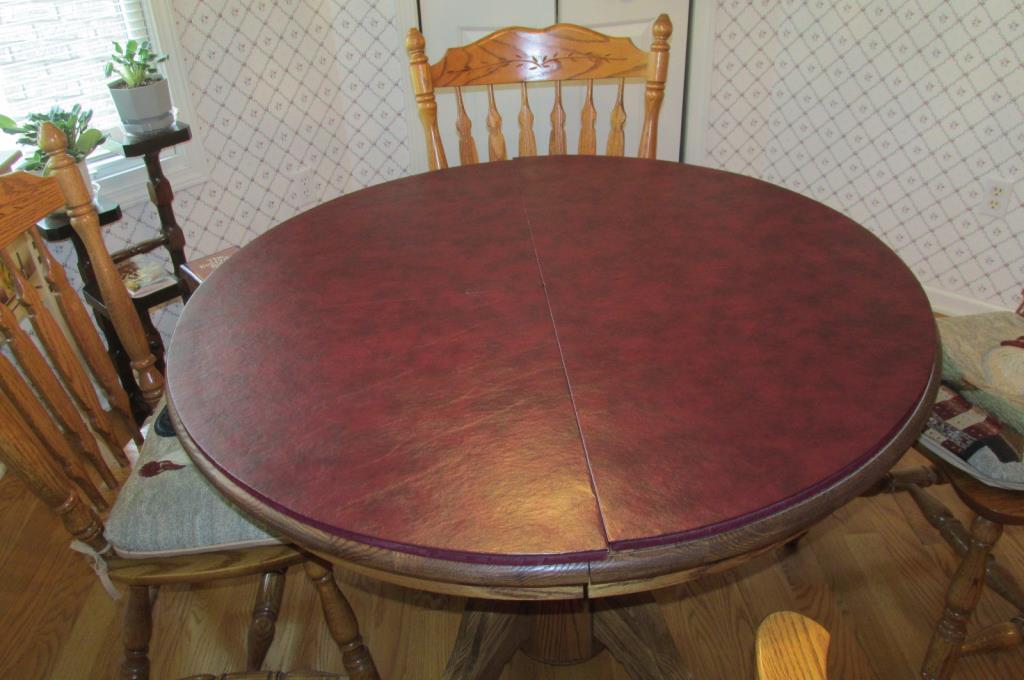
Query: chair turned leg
pixel 961 598
pixel 264 616
pixel 138 627
pixel 341 622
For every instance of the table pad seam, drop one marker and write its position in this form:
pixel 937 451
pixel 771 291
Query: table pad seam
pixel 561 356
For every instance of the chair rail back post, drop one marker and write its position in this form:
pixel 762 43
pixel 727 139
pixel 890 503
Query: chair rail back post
pixel 657 74
pixel 86 224
pixel 423 88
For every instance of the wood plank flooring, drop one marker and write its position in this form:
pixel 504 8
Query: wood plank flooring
pixel 874 574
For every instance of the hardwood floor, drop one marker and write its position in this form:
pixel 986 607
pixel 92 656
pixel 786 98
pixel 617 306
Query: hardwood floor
pixel 874 574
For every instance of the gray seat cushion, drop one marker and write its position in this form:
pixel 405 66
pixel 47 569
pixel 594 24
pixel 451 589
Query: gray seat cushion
pixel 167 507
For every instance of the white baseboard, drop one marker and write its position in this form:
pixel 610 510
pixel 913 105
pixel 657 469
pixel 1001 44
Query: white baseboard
pixel 955 304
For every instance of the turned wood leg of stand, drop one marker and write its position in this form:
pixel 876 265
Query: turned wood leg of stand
pixel 634 631
pixel 956 535
pixel 138 628
pixel 264 617
pixel 341 621
pixel 490 633
pixel 961 599
pixel 163 197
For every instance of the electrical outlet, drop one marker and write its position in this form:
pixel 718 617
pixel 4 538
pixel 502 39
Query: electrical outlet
pixel 996 194
pixel 300 193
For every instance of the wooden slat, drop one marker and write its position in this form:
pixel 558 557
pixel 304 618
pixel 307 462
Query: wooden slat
pixel 527 140
pixel 62 356
pixel 560 52
pixel 27 456
pixel 617 134
pixel 87 339
pixel 556 143
pixel 464 128
pixel 588 117
pixel 495 138
pixel 49 389
pixel 43 426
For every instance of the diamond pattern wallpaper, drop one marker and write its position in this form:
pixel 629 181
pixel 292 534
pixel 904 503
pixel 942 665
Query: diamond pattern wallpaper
pixel 895 112
pixel 277 86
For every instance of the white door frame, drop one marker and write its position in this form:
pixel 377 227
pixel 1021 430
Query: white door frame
pixel 407 15
pixel 698 80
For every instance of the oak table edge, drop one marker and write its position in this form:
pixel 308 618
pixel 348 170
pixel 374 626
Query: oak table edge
pixel 622 571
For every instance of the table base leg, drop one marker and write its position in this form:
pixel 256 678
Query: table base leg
pixel 631 628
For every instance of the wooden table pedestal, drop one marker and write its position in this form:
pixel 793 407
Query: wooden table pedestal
pixel 565 632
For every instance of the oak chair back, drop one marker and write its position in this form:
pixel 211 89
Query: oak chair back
pixel 523 55
pixel 64 416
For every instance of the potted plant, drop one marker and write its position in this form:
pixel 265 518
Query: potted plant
pixel 140 93
pixel 82 139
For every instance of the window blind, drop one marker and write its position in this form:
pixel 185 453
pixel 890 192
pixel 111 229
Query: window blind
pixel 53 52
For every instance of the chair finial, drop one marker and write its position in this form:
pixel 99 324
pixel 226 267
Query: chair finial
pixel 414 41
pixel 662 27
pixel 51 139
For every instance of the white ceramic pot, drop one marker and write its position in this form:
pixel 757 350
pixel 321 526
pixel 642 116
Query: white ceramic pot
pixel 143 110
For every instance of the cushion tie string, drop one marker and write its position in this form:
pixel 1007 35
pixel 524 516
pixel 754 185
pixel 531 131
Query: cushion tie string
pixel 99 565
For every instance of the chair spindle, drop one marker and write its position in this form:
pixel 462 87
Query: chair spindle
pixel 26 404
pixel 61 354
pixel 425 101
pixel 51 392
pixel 556 143
pixel 495 138
pixel 588 116
pixel 25 454
pixel 84 334
pixel 527 140
pixel 467 145
pixel 617 134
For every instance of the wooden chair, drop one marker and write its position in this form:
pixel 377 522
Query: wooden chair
pixel 791 647
pixel 967 342
pixel 522 55
pixel 994 508
pixel 65 420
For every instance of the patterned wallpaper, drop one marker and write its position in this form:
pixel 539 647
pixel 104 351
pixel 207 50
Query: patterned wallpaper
pixel 891 111
pixel 278 84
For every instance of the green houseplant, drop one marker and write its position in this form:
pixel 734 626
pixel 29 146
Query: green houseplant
pixel 140 92
pixel 82 139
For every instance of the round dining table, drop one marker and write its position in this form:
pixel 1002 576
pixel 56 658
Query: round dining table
pixel 554 385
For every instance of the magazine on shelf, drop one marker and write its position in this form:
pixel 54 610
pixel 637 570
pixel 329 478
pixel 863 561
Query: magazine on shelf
pixel 145 274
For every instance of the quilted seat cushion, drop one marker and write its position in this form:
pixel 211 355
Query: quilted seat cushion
pixel 167 507
pixel 985 372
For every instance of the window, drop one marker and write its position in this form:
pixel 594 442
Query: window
pixel 52 52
